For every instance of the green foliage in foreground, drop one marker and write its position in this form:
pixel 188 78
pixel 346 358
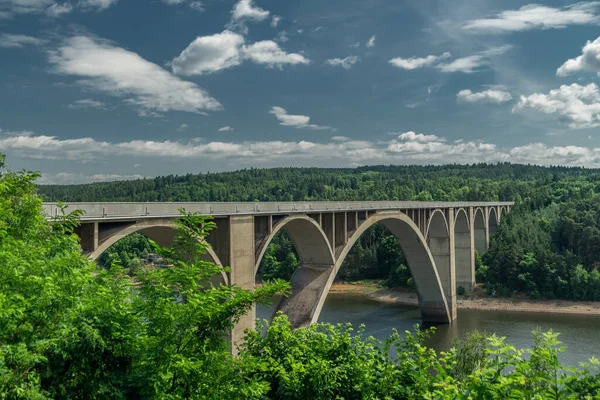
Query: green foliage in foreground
pixel 333 362
pixel 71 330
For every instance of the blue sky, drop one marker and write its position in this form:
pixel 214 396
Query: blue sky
pixel 94 90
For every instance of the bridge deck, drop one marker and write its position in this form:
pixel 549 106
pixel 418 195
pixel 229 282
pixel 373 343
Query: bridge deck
pixel 125 210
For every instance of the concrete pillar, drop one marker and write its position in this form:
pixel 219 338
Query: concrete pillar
pixel 88 234
pixel 328 226
pixel 441 244
pixel 487 228
pixel 242 262
pixel 341 230
pixel 479 231
pixel 464 252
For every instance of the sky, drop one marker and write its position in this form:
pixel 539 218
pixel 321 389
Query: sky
pixel 99 90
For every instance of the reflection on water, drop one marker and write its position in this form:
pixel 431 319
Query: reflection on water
pixel 580 333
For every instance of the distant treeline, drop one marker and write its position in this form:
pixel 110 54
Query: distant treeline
pixel 549 246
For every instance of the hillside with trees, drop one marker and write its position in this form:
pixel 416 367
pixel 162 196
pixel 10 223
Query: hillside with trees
pixel 548 246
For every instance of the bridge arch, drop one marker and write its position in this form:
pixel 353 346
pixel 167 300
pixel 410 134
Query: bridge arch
pixel 493 220
pixel 463 254
pixel 162 232
pixel 479 231
pixel 502 211
pixel 309 240
pixel 316 263
pixel 432 300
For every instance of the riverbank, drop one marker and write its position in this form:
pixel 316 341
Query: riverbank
pixel 477 301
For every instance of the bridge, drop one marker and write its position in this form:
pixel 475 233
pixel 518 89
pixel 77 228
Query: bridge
pixel 438 239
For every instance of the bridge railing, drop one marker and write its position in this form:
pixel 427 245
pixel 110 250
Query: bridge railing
pixel 114 210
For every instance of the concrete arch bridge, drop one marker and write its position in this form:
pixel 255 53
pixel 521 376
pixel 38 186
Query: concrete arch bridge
pixel 438 239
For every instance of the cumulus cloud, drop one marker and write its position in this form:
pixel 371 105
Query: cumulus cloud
pixel 269 53
pixel 225 129
pixel 417 62
pixel 536 16
pixel 412 148
pixel 57 10
pixel 8 40
pixel 577 106
pixel 207 54
pixel 346 63
pixel 371 42
pixel 87 104
pixel 419 137
pixel 117 71
pixel 487 96
pixel 245 9
pixel 589 60
pixel 296 121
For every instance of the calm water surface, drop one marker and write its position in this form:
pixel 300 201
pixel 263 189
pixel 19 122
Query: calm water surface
pixel 580 333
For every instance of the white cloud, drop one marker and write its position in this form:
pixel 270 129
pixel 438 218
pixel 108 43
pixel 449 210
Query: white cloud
pixel 57 10
pixel 183 127
pixel 474 63
pixel 487 96
pixel 52 8
pixel 97 4
pixel 297 121
pixel 467 65
pixel 282 37
pixel 416 62
pixel 537 16
pixel 419 137
pixel 345 63
pixel 588 61
pixel 371 42
pixel 576 105
pixel 194 5
pixel 197 5
pixel 275 21
pixel 355 45
pixel 245 9
pixel 120 72
pixel 225 129
pixel 208 54
pixel 268 52
pixel 340 138
pixel 8 40
pixel 69 178
pixel 11 7
pixel 86 104
pixel 412 148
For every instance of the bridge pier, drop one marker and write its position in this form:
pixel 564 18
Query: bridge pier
pixel 241 255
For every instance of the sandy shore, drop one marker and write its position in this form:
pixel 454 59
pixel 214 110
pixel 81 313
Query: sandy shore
pixel 479 302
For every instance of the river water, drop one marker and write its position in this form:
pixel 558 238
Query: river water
pixel 579 333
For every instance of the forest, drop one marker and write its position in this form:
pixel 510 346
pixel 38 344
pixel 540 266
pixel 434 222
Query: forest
pixel 70 329
pixel 548 246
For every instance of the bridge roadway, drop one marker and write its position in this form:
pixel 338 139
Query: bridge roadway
pixel 438 240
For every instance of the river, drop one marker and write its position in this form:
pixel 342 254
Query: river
pixel 579 333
